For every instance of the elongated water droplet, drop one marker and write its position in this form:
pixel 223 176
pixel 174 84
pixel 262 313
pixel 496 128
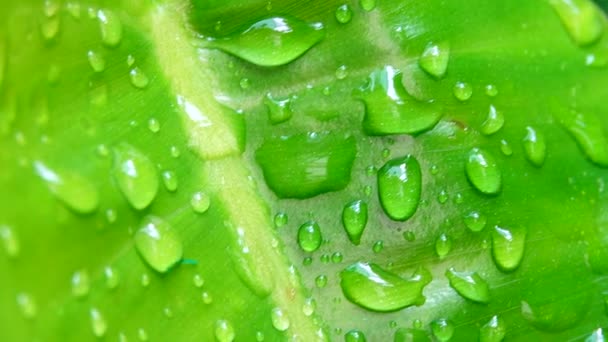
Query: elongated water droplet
pixel 354 219
pixel 279 109
pixel 378 246
pixel 442 329
pixel 169 180
pixel 96 61
pixel 51 7
pixel 475 221
pixel 367 5
pixel 443 245
pixel 321 281
pixel 112 278
pixel 207 298
pixel 279 318
pixel 135 175
pixel 309 236
pixel 463 91
pixel 198 281
pixel 373 288
pixel 508 246
pixel 80 283
pixel 588 131
pixel 27 305
pixel 354 336
pixel 75 191
pixel 110 27
pixel 535 147
pixel 469 285
pixel 483 172
pixel 98 323
pixel 494 121
pixel 138 78
pixel 344 14
pixel 505 148
pixel 389 109
pixel 400 187
pixel 10 241
pixel 581 18
pixel 434 59
pixel 271 42
pixel 142 334
pixel 224 332
pixel 200 202
pixel 493 331
pixel 158 244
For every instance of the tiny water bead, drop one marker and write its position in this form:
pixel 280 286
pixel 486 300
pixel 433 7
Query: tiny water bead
pixel 367 5
pixel 96 61
pixel 373 288
pixel 27 305
pixel 112 278
pixel 483 172
pixel 378 246
pixel 49 28
pixel 354 220
pixel 310 305
pixel 337 257
pixel 153 125
pixel 259 336
pixel 80 283
pixel 469 285
pixel 198 281
pixel 443 245
pixel 434 59
pixel 174 151
pixel 508 245
pixel 354 336
pixel 169 180
pixel 279 109
pixel 321 281
pixel 158 244
pixel 145 280
pixel 75 191
pixel 493 331
pixel 505 148
pixel 279 318
pixel 535 147
pixel 494 121
pixel 138 78
pixel 582 19
pixel 409 236
pixel 463 91
pixel 10 241
pixel 110 27
pixel 344 14
pixel 207 298
pixel 443 197
pixel 111 215
pixel 200 202
pixel 400 187
pixel 244 83
pixel 475 221
pixel 98 323
pixel 280 220
pixel 135 175
pixel 442 329
pixel 307 261
pixel 309 236
pixel 491 90
pixel 341 72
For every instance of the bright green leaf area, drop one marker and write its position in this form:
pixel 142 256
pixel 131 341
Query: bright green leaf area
pixel 79 81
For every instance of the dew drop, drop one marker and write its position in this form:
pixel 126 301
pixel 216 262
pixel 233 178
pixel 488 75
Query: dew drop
pixel 535 147
pixel 142 334
pixel 112 278
pixel 309 236
pixel 310 305
pixel 434 59
pixel 96 61
pixel 463 91
pixel 409 236
pixel 175 152
pixel 483 172
pixel 80 283
pixel 145 280
pixel 207 299
pixel 505 148
pixel 75 191
pixel 399 187
pixel 508 246
pixel 259 336
pixel 169 180
pixel 443 245
pixel 49 27
pixel 10 241
pixel 494 121
pixel 158 244
pixel 279 109
pixel 475 221
pixel 138 78
pixel 354 336
pixel 279 318
pixel 153 125
pixel 344 14
pixel 378 246
pixel 588 131
pixel 354 220
pixel 198 281
pixel 337 257
pixel 110 27
pixel 367 5
pixel 442 329
pixel 135 175
pixel 27 305
pixel 469 285
pixel 491 90
pixel 442 197
pixel 493 331
pixel 224 332
pixel 200 202
pixel 321 281
pixel 98 323
pixel 73 9
pixel 280 220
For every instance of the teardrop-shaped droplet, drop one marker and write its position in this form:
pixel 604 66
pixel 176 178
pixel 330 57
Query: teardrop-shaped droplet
pixel 10 241
pixel 135 175
pixel 475 221
pixel 434 59
pixel 224 332
pixel 98 323
pixel 309 236
pixel 389 109
pixel 463 91
pixel 96 61
pixel 535 146
pixel 483 172
pixel 138 78
pixel 493 331
pixel 344 14
pixel 373 288
pixel 272 41
pixel 505 148
pixel 442 329
pixel 588 131
pixel 494 121
pixel 354 336
pixel 169 180
pixel 75 191
pixel 112 278
pixel 400 187
pixel 469 285
pixel 158 244
pixel 508 246
pixel 279 109
pixel 110 27
pixel 581 18
pixel 443 245
pixel 354 219
pixel 279 319
pixel 80 283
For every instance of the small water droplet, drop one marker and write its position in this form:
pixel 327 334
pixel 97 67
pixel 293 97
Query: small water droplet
pixel 279 109
pixel 280 220
pixel 321 281
pixel 399 187
pixel 354 336
pixel 483 172
pixel 244 83
pixel 307 261
pixel 153 125
pixel 434 59
pixel 336 257
pixel 98 323
pixel 354 220
pixel 442 197
pixel 198 280
pixel 27 305
pixel 112 278
pixel 475 221
pixel 110 27
pixel 463 91
pixel 49 27
pixel 378 246
pixel 80 283
pixel 442 329
pixel 158 244
pixel 582 19
pixel 51 7
pixel 344 14
pixel 168 312
pixel 309 236
pixel 135 175
pixel 469 285
pixel 169 180
pixel 200 202
pixel 505 148
pixel 138 78
pixel 493 331
pixel 494 121
pixel 310 305
pixel 96 61
pixel 491 90
pixel 508 246
pixel 145 280
pixel 142 334
pixel 207 299
pixel 175 152
pixel 535 147
pixel 10 241
pixel 367 5
pixel 111 216
pixel 409 236
pixel 224 332
pixel 279 318
pixel 443 245
pixel 342 72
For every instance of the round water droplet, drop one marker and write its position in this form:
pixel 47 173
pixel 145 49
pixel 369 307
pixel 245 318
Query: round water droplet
pixel 535 147
pixel 207 299
pixel 75 191
pixel 469 285
pixel 310 305
pixel 259 336
pixel 337 257
pixel 98 323
pixel 321 281
pixel 378 246
pixel 110 27
pixel 111 216
pixel 280 220
pixel 10 241
pixel 508 246
pixel 399 187
pixel 463 91
pixel 483 172
pixel 153 125
pixel 198 280
pixel 442 197
pixel 158 244
pixel 491 90
pixel 175 153
pixel 112 278
pixel 581 18
pixel 494 121
pixel 443 245
pixel 354 336
pixel 279 318
pixel 200 202
pixel 442 329
pixel 80 283
pixel 475 221
pixel 342 72
pixel 73 9
pixel 138 78
pixel 307 261
pixel 344 14
pixel 309 236
pixel 493 331
pixel 505 148
pixel 135 175
pixel 27 305
pixel 244 83
pixel 434 59
pixel 169 180
pixel 96 61
pixel 279 109
pixel 409 235
pixel 354 220
pixel 224 332
pixel 367 5
pixel 168 312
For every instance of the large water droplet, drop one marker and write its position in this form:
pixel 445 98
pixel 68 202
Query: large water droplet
pixel 494 121
pixel 224 332
pixel 27 305
pixel 582 19
pixel 469 285
pixel 508 246
pixel 399 187
pixel 535 146
pixel 75 191
pixel 373 288
pixel 442 329
pixel 10 241
pixel 493 331
pixel 96 61
pixel 344 14
pixel 279 109
pixel 354 336
pixel 354 219
pixel 135 175
pixel 110 27
pixel 279 319
pixel 272 41
pixel 80 283
pixel 483 172
pixel 309 236
pixel 588 131
pixel 98 323
pixel 158 244
pixel 389 109
pixel 434 59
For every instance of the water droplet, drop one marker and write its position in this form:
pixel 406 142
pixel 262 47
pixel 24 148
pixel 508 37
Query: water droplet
pixel 367 5
pixel 169 180
pixel 198 280
pixel 279 318
pixel 337 257
pixel 279 109
pixel 469 285
pixel 112 278
pixel 73 9
pixel 142 335
pixel 138 78
pixel 110 27
pixel 310 305
pixel 378 246
pixel 98 323
pixel 491 90
pixel 51 7
pixel 10 241
pixel 399 187
pixel 463 91
pixel 535 147
pixel 321 281
pixel 344 14
pixel 168 312
pixel 224 332
pixel 341 72
pixel 390 109
pixel 49 27
pixel 442 197
pixel 96 61
pixel 272 41
pixel 508 246
pixel 354 336
pixel 80 283
pixel 505 148
pixel 135 175
pixel 145 280
pixel 442 329
pixel 280 220
pixel 200 202
pixel 354 220
pixel 207 299
pixel 307 261
pixel 153 125
pixel 409 236
pixel 27 305
pixel 111 216
pixel 483 172
pixel 158 244
pixel 75 191
pixel 588 131
pixel 581 18
pixel 244 83
pixel 309 236
pixel 373 288
pixel 175 153
pixel 443 245
pixel 475 221
pixel 259 336
pixel 434 59
pixel 493 331
pixel 494 121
